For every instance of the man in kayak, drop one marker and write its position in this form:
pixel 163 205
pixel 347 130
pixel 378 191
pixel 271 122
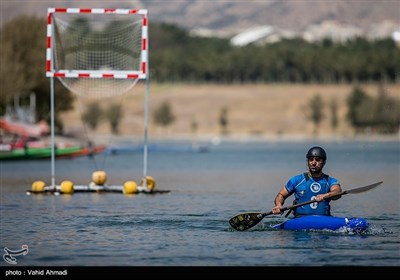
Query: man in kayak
pixel 311 185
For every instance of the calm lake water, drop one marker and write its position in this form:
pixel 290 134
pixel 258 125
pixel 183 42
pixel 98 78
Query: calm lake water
pixel 189 226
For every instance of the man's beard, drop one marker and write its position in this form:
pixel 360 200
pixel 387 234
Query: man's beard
pixel 315 170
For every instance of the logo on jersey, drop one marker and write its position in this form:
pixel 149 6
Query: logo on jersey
pixel 315 187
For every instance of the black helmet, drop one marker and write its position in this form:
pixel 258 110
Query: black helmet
pixel 316 152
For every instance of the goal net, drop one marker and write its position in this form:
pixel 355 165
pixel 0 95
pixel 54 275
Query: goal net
pixel 97 52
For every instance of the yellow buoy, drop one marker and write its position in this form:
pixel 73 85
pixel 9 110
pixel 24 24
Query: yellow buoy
pixel 151 183
pixel 38 186
pixel 99 177
pixel 67 187
pixel 130 187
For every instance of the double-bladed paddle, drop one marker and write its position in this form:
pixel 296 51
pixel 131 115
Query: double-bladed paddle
pixel 245 221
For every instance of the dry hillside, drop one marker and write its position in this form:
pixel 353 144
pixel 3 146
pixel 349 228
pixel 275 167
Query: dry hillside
pixel 261 111
pixel 231 17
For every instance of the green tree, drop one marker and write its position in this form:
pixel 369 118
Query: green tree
pixel 315 111
pixel 20 55
pixel 194 125
pixel 114 115
pixel 92 115
pixel 354 102
pixel 163 115
pixel 387 111
pixel 333 105
pixel 22 71
pixel 223 120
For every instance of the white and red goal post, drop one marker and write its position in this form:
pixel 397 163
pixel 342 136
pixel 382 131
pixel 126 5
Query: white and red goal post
pixel 105 44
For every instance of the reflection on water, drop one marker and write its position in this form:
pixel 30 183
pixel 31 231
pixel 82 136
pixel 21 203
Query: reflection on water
pixel 189 226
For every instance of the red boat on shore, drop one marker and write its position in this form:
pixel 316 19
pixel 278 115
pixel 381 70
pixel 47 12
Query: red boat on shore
pixel 70 151
pixel 21 141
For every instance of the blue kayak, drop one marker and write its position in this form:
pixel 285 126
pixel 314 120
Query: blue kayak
pixel 319 222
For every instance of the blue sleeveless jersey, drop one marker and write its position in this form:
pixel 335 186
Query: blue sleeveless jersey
pixel 306 188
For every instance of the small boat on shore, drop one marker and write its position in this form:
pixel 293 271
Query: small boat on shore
pixel 12 153
pixel 22 141
pixel 320 222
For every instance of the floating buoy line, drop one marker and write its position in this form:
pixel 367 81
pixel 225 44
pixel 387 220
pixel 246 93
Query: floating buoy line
pixel 98 185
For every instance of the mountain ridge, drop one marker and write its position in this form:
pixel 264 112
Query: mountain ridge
pixel 227 18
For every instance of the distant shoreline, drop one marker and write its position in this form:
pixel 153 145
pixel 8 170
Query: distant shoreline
pixel 215 139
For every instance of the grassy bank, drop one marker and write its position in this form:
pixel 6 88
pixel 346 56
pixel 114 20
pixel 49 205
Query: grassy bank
pixel 253 111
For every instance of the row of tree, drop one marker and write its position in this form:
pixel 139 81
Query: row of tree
pixel 177 56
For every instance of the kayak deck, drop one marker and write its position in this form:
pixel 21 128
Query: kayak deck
pixel 320 222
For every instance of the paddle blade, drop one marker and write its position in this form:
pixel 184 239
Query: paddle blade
pixel 363 189
pixel 245 221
